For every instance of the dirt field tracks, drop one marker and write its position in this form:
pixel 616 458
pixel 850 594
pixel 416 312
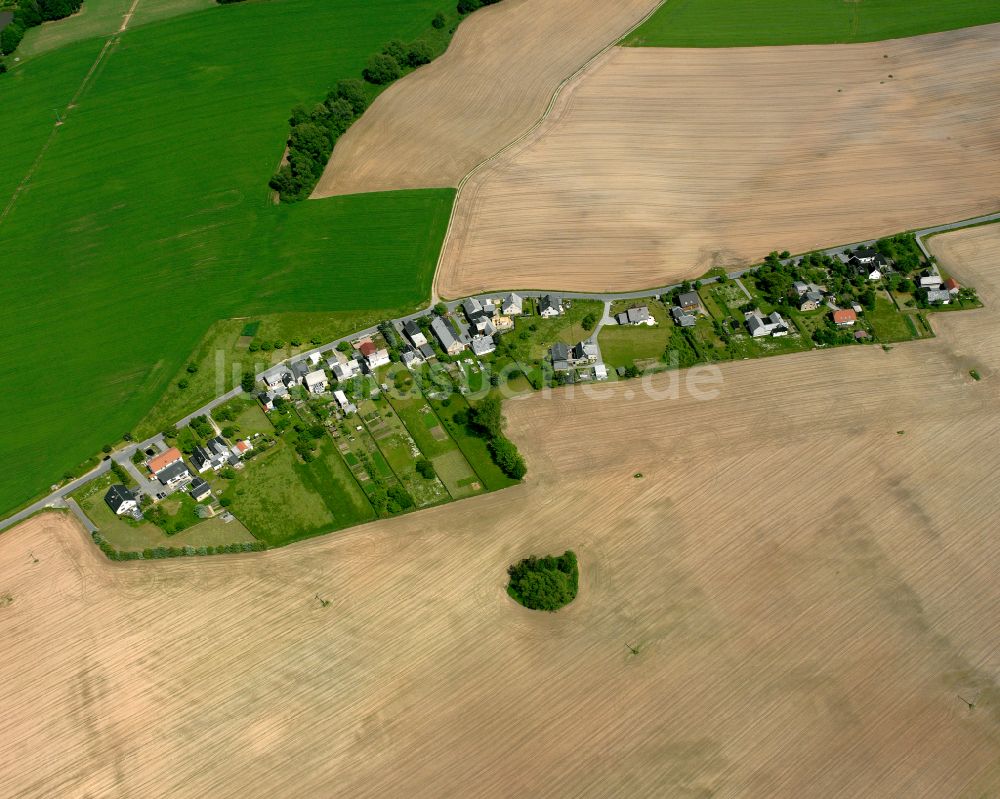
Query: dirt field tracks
pixel 657 164
pixel 495 81
pixel 808 569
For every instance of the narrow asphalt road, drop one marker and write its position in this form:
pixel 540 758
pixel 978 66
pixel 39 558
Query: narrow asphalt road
pixel 58 497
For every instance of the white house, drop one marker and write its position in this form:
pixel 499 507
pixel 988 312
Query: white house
pixel 345 370
pixel 414 333
pixel 316 382
pixel 549 305
pixel 345 405
pixel 868 262
pixel 121 500
pixel 446 336
pixel 314 358
pixel 512 305
pixel 378 358
pixel 931 279
pixel 277 378
pixel 635 316
pixel 939 296
pixel 772 325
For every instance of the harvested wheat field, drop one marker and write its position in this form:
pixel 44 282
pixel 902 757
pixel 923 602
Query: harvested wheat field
pixel 494 82
pixel 809 575
pixel 657 164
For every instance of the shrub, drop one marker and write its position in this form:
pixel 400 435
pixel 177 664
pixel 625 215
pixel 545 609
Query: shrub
pixel 248 382
pixel 426 469
pixel 544 583
pixel 507 457
pixel 420 52
pixel 438 21
pixel 381 69
pixel 353 91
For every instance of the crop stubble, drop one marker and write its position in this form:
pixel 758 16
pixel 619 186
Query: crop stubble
pixel 811 592
pixel 657 164
pixel 433 126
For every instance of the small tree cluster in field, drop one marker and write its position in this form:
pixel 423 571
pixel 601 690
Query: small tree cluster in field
pixel 547 583
pixel 30 13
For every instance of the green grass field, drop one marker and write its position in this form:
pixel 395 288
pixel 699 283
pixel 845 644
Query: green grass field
pixel 888 323
pixel 149 218
pixel 282 500
pixel 747 23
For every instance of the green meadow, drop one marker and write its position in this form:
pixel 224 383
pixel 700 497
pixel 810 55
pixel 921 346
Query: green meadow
pixel 748 23
pixel 148 217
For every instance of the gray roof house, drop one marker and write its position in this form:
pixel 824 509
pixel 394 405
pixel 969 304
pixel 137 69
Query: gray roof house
pixel 446 336
pixel 681 318
pixel 942 296
pixel 633 316
pixel 483 345
pixel 512 305
pixel 414 333
pixel 550 305
pixel 199 489
pixel 586 351
pixel 173 474
pixel 426 351
pixel 278 377
pixel 559 355
pixel 689 301
pixel 120 500
pixel 472 308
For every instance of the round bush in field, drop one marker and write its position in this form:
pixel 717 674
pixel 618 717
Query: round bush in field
pixel 544 583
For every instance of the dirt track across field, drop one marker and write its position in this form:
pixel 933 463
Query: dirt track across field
pixel 657 164
pixel 807 566
pixel 506 60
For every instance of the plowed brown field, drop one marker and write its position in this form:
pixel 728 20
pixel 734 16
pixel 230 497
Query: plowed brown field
pixel 657 164
pixel 808 568
pixel 496 79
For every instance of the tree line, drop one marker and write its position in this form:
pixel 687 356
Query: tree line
pixel 30 13
pixel 314 131
pixel 487 418
pixel 157 553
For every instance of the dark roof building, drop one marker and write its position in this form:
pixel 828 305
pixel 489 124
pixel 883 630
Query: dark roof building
pixel 120 499
pixel 199 489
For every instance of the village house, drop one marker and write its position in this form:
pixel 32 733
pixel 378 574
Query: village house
pixel 951 286
pixel 868 262
pixel 242 447
pixel 316 382
pixel 483 326
pixel 600 372
pixel 299 371
pixel 121 500
pixel 549 305
pixel 345 405
pixel 585 352
pixel 502 323
pixel 164 459
pixel 314 358
pixel 446 336
pixel 810 301
pixel 844 317
pixel 681 318
pixel 472 308
pixel 411 358
pixel 277 379
pixel 772 325
pixel 690 302
pixel 939 297
pixel 426 352
pixel 512 305
pixel 559 355
pixel 483 345
pixel 266 400
pixel 378 358
pixel 175 475
pixel 635 316
pixel 413 332
pixel 930 279
pixel 345 370
pixel 199 489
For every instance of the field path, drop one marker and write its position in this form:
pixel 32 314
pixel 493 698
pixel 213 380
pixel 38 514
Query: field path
pixel 105 50
pixel 655 165
pixel 495 80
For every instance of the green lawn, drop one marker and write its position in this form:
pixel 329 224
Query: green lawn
pixel 744 23
pixel 888 323
pixel 622 346
pixel 282 500
pixel 149 217
pixel 133 536
pixel 473 447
